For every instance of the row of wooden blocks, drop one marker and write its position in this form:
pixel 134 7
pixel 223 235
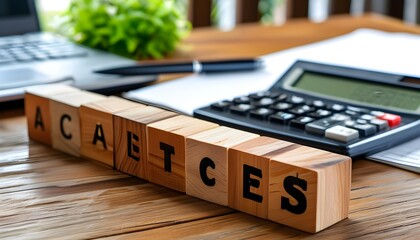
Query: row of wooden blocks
pixel 295 185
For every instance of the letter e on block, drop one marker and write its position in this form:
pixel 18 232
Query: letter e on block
pixel 37 109
pixel 248 177
pixel 65 120
pixel 167 142
pixel 130 138
pixel 97 128
pixel 309 188
pixel 206 162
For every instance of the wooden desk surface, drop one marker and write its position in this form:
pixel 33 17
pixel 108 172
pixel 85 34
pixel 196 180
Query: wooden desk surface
pixel 47 194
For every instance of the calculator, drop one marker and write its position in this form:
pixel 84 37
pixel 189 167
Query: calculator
pixel 349 111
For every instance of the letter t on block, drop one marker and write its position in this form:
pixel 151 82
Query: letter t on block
pixel 249 174
pixel 309 188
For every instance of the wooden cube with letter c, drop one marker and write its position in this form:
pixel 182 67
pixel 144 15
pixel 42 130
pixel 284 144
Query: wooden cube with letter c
pixel 166 141
pixel 309 188
pixel 65 119
pixel 97 128
pixel 206 162
pixel 130 138
pixel 248 174
pixel 37 109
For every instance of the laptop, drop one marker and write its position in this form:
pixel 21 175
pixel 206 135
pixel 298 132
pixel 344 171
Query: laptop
pixel 29 57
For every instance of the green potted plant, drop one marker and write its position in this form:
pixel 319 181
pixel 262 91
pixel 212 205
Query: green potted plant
pixel 134 28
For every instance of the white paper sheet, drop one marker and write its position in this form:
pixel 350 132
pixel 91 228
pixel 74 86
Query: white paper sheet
pixel 364 48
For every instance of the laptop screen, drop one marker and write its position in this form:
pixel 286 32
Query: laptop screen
pixel 18 17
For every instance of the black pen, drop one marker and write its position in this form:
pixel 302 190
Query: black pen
pixel 186 67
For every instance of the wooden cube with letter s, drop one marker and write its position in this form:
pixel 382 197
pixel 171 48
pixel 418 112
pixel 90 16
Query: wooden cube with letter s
pixel 37 109
pixel 166 144
pixel 65 119
pixel 97 128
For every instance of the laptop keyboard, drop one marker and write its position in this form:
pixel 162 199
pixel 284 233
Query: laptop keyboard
pixel 29 48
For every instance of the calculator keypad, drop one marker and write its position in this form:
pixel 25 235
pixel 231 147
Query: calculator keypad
pixel 314 116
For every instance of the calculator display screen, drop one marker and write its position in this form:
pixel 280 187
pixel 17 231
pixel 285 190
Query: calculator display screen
pixel 359 90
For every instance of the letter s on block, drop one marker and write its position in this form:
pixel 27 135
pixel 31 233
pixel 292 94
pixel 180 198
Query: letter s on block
pixel 289 186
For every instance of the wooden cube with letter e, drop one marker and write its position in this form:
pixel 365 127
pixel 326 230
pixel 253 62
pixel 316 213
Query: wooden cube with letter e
pixel 65 119
pixel 248 170
pixel 309 188
pixel 166 141
pixel 37 109
pixel 206 162
pixel 130 138
pixel 97 129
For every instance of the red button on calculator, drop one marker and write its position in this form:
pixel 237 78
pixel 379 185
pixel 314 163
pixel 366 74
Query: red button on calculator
pixel 393 120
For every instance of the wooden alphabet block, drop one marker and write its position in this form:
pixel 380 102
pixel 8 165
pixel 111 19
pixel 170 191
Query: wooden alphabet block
pixel 130 138
pixel 206 162
pixel 65 120
pixel 97 128
pixel 37 109
pixel 309 188
pixel 166 141
pixel 248 174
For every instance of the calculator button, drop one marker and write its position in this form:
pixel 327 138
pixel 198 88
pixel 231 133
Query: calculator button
pixel 300 122
pixel 356 109
pixel 340 117
pixel 319 126
pixel 377 113
pixel 259 95
pixel 367 117
pixel 260 113
pixel 393 120
pixel 380 124
pixel 273 95
pixel 281 117
pixel 282 97
pixel 365 129
pixel 320 113
pixel 342 134
pixel 349 123
pixel 317 104
pixel 352 114
pixel 221 106
pixel 300 110
pixel 336 108
pixel 241 100
pixel 242 109
pixel 282 106
pixel 296 100
pixel 263 102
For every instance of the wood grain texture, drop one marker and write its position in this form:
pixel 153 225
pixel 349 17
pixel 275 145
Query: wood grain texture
pixel 130 138
pixel 65 119
pixel 97 129
pixel 166 146
pixel 48 195
pixel 211 147
pixel 309 188
pixel 249 164
pixel 37 110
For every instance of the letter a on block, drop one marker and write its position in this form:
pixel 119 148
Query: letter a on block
pixel 249 174
pixel 309 188
pixel 167 141
pixel 37 109
pixel 207 162
pixel 130 138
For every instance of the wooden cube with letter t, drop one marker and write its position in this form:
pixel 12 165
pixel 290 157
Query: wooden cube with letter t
pixel 37 109
pixel 248 169
pixel 97 129
pixel 309 188
pixel 166 141
pixel 206 162
pixel 130 138
pixel 65 119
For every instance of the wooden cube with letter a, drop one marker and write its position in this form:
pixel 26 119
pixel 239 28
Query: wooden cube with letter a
pixel 130 138
pixel 166 141
pixel 248 174
pixel 309 188
pixel 65 119
pixel 206 162
pixel 97 129
pixel 37 109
